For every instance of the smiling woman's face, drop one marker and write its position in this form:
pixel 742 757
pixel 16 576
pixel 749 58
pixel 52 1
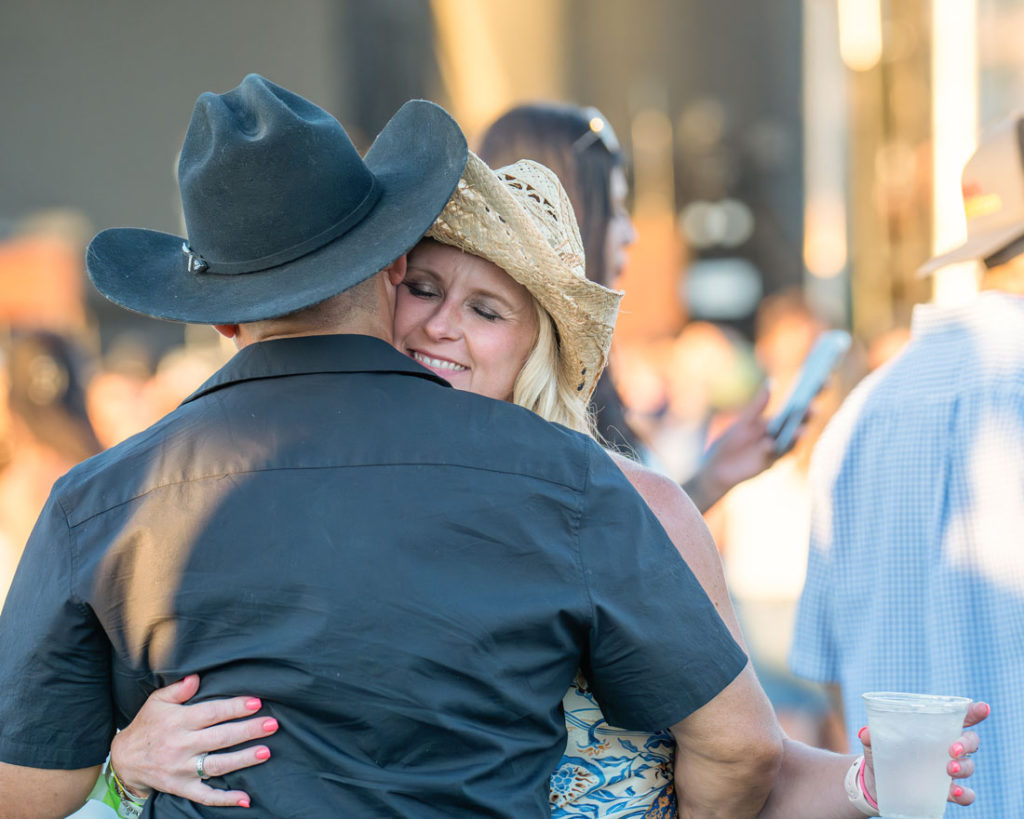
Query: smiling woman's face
pixel 464 318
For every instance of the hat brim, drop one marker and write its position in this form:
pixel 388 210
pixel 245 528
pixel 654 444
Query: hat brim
pixel 976 248
pixel 418 159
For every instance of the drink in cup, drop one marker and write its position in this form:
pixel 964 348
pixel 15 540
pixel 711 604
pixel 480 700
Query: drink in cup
pixel 910 739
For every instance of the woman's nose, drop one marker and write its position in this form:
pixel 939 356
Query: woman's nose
pixel 443 323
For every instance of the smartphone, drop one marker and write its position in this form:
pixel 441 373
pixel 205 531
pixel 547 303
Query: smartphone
pixel 821 361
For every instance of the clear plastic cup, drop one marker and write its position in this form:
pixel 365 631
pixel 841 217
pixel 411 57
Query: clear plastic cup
pixel 910 739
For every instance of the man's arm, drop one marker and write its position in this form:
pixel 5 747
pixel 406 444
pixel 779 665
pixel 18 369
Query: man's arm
pixel 39 793
pixel 727 756
pixel 730 749
pixel 56 709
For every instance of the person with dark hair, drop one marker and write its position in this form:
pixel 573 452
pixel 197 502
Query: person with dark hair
pixel 580 146
pixel 48 430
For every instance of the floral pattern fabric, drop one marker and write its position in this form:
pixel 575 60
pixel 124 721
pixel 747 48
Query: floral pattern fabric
pixel 608 771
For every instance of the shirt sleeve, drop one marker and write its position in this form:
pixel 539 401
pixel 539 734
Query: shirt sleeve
pixel 56 707
pixel 658 649
pixel 813 655
pixel 813 652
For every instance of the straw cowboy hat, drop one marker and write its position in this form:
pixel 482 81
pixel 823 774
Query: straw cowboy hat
pixel 993 190
pixel 281 211
pixel 520 218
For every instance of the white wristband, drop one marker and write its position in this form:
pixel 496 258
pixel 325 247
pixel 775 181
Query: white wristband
pixel 854 791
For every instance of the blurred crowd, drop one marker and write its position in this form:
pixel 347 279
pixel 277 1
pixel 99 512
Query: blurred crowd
pixel 64 402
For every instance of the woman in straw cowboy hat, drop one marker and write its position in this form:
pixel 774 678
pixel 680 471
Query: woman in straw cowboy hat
pixel 496 301
pixel 580 146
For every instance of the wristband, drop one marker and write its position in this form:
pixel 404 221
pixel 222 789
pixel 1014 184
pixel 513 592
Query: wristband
pixel 856 790
pixel 125 803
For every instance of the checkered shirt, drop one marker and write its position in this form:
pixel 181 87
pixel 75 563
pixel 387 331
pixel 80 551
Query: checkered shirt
pixel 915 575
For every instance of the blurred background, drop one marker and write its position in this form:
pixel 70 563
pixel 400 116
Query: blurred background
pixel 791 164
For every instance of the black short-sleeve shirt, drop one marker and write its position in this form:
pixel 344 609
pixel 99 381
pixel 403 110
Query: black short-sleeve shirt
pixel 407 575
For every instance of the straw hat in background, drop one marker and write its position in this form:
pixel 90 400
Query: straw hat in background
pixel 520 218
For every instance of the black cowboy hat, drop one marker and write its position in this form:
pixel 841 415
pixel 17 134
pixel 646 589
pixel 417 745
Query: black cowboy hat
pixel 280 209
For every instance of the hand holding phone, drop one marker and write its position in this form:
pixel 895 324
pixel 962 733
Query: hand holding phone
pixel 823 358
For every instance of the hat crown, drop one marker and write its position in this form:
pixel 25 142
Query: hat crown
pixel 267 176
pixel 538 189
pixel 992 182
pixel 281 210
pixel 992 185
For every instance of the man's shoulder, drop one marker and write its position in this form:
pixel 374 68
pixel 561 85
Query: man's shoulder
pixel 424 424
pixel 507 435
pixel 114 475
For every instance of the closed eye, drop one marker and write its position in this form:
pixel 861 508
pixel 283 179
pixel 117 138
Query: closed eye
pixel 486 313
pixel 420 291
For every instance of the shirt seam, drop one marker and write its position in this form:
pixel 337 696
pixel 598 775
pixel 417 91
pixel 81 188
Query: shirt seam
pixel 576 525
pixel 213 475
pixel 72 562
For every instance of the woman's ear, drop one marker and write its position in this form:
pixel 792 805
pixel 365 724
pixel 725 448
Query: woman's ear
pixel 226 330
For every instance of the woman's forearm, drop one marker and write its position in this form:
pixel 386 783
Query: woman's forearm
pixel 809 785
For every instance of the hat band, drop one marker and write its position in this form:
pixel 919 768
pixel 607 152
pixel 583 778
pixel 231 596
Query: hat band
pixel 1005 253
pixel 200 264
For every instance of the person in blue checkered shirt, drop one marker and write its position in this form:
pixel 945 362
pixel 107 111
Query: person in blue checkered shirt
pixel 915 578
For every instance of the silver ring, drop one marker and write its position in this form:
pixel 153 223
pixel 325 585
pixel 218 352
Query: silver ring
pixel 200 769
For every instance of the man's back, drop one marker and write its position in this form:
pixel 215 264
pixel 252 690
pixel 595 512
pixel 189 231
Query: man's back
pixel 916 572
pixel 407 576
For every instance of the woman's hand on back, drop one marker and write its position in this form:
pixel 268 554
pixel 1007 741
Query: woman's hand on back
pixel 160 749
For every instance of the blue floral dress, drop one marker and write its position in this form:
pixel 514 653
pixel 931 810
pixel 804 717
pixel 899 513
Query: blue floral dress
pixel 608 771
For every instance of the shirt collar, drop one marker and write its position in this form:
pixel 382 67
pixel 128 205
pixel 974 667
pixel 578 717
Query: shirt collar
pixel 304 355
pixel 983 308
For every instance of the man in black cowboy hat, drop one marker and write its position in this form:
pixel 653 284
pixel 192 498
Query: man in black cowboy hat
pixel 409 576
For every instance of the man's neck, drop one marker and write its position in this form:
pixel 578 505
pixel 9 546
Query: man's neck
pixel 1007 277
pixel 351 329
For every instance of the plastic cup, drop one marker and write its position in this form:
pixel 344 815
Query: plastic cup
pixel 910 739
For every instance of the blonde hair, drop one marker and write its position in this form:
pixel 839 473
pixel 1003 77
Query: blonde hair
pixel 541 385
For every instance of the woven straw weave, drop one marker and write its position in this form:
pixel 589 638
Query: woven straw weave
pixel 520 218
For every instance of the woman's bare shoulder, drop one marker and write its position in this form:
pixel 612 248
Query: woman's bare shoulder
pixel 661 492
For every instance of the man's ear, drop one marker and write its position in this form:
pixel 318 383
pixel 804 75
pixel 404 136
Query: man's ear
pixel 227 330
pixel 396 270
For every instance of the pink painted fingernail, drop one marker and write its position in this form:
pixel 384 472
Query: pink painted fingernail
pixel 957 749
pixel 270 724
pixel 263 753
pixel 988 709
pixel 860 733
pixel 954 767
pixel 243 802
pixel 958 792
pixel 253 704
